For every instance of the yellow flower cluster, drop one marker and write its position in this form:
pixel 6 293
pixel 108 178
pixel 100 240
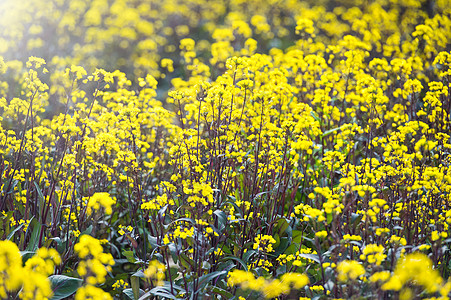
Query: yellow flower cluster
pixel 120 284
pixel 268 288
pixel 94 263
pixel 264 243
pixel 90 292
pixel 282 136
pixel 11 267
pixel 98 200
pixel 31 279
pixel 373 254
pixel 125 229
pixel 298 259
pixel 155 272
pixel 349 270
pixel 416 268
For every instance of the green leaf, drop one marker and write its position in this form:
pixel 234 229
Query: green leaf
pixel 277 238
pixel 222 219
pixel 313 257
pixel 326 133
pixel 11 188
pixel 162 210
pixel 237 194
pixel 152 241
pixel 315 116
pixel 174 253
pixel 282 226
pixel 158 291
pixel 41 198
pixel 355 220
pixel 134 280
pixel 60 246
pixel 186 261
pixel 64 286
pixel 88 231
pixel 139 274
pixel 11 234
pixel 26 255
pixel 329 218
pixel 224 293
pixel 283 245
pixel 174 272
pixel 242 263
pixel 297 236
pixel 291 249
pixel 35 234
pixel 129 255
pixel 203 280
pixel 248 254
pixel 129 293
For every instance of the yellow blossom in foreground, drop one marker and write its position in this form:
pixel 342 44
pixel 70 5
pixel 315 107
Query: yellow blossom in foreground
pixel 37 269
pixel 269 288
pixel 94 264
pixel 44 261
pixel 380 276
pixel 11 273
pixel 155 271
pixel 415 268
pixel 36 287
pixel 349 270
pixel 90 292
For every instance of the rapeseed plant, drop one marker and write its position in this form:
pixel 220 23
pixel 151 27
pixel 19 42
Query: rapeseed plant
pixel 225 149
pixel 37 268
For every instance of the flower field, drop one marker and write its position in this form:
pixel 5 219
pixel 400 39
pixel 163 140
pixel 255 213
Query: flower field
pixel 225 149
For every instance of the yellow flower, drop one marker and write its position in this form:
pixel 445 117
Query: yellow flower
pixel 90 292
pixel 120 284
pixel 3 66
pixel 269 288
pixel 418 269
pixel 373 254
pixel 155 271
pixel 11 272
pixel 36 286
pixel 349 270
pixel 44 261
pixel 321 234
pixel 264 243
pixel 95 263
pixel 100 200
